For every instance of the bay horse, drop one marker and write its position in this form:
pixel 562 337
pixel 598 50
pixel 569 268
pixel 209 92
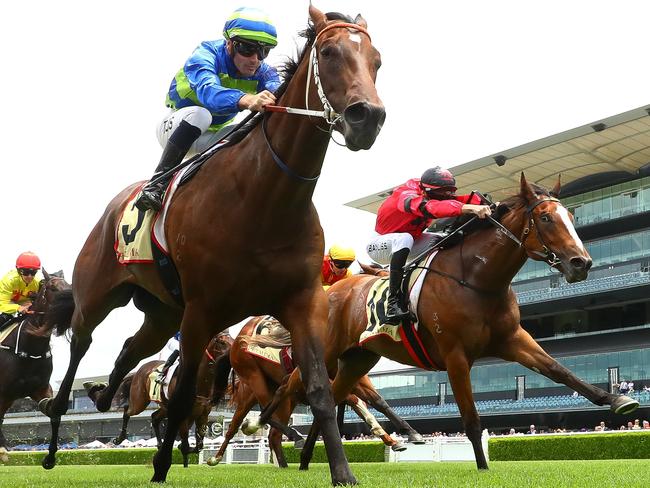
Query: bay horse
pixel 258 377
pixel 25 355
pixel 244 221
pixel 136 396
pixel 467 309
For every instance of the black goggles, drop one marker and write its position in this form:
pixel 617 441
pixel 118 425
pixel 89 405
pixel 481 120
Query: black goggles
pixel 341 264
pixel 27 272
pixel 247 49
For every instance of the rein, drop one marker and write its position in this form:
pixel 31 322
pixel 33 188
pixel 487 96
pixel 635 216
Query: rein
pixel 547 255
pixel 328 113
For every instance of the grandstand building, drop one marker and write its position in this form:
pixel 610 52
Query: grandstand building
pixel 599 328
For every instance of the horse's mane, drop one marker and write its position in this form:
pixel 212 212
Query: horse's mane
pixel 287 71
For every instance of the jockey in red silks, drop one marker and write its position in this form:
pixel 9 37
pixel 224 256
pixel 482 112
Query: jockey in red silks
pixel 402 220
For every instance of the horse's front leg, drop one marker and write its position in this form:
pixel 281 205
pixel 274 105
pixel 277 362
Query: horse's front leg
pixel 305 316
pixel 458 371
pixel 196 332
pixel 523 349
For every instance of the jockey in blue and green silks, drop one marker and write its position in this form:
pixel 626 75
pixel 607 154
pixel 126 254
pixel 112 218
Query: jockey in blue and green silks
pixel 220 79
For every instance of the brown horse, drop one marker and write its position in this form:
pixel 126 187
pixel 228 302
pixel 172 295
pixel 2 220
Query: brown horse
pixel 259 377
pixel 244 221
pixel 25 356
pixel 136 396
pixel 467 309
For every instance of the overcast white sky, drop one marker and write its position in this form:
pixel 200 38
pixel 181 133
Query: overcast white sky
pixel 83 86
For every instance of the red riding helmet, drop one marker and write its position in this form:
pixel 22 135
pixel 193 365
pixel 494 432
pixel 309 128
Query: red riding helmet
pixel 28 260
pixel 438 177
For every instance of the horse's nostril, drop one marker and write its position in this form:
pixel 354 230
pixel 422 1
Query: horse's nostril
pixel 581 263
pixel 356 113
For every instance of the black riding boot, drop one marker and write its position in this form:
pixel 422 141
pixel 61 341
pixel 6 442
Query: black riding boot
pixel 168 364
pixel 175 150
pixel 396 309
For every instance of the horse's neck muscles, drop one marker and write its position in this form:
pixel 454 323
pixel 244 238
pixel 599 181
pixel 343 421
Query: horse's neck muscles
pixel 490 258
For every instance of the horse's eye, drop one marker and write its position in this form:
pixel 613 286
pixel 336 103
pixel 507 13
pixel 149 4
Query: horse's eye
pixel 545 218
pixel 327 51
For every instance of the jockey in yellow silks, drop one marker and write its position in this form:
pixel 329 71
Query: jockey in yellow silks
pixel 18 287
pixel 336 264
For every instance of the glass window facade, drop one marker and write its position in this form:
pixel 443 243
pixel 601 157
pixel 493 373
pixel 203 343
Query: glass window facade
pixel 592 368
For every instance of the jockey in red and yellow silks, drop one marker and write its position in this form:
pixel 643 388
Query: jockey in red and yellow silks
pixel 402 220
pixel 18 286
pixel 336 264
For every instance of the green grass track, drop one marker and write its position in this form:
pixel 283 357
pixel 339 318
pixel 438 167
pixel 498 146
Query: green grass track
pixel 536 474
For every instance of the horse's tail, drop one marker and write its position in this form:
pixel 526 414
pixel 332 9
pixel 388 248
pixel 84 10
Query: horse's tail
pixel 223 369
pixel 59 313
pixel 123 393
pixel 278 337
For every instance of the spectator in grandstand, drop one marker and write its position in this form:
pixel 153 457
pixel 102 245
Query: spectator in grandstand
pixel 630 387
pixel 630 425
pixel 575 394
pixel 646 425
pixel 646 388
pixel 601 427
pixel 532 429
pixel 636 425
pixel 622 387
pixel 512 431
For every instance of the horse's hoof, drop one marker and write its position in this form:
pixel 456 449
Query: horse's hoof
pixel 250 427
pixel 398 447
pixel 48 461
pixel 351 480
pixel 624 405
pixel 212 461
pixel 4 455
pixel 416 438
pixel 299 444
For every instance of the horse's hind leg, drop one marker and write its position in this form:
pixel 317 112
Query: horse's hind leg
pixel 458 370
pixel 366 391
pixel 123 433
pixel 159 325
pixel 238 417
pixel 523 349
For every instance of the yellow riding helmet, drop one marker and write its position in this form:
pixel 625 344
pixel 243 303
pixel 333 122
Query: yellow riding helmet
pixel 342 253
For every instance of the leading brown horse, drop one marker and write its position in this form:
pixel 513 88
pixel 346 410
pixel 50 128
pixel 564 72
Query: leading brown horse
pixel 244 222
pixel 25 356
pixel 136 395
pixel 467 309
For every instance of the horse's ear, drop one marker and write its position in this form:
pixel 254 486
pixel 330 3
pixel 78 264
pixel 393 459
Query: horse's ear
pixel 526 190
pixel 45 274
pixel 555 192
pixel 361 21
pixel 317 17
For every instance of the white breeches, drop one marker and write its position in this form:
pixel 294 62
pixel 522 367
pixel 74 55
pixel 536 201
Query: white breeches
pixel 381 247
pixel 198 117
